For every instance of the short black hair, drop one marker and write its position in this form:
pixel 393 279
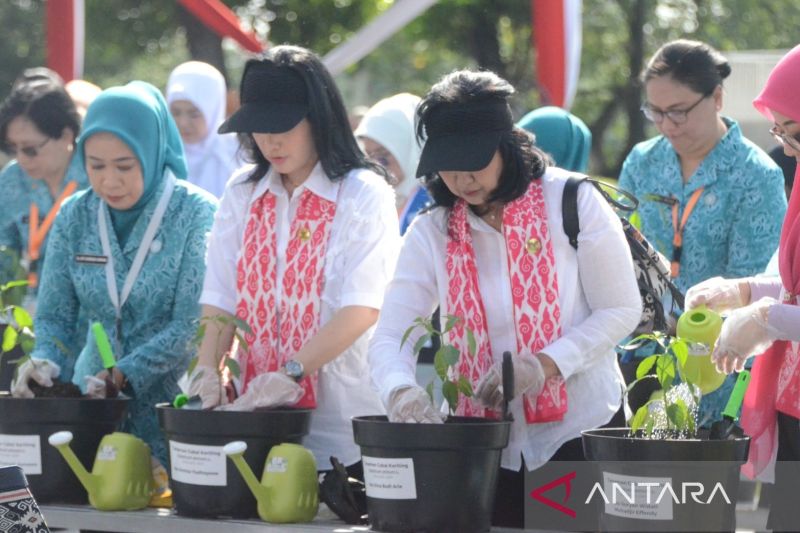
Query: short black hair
pixel 335 144
pixel 45 103
pixel 522 161
pixel 694 64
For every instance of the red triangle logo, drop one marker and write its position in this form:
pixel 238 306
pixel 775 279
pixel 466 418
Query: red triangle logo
pixel 538 494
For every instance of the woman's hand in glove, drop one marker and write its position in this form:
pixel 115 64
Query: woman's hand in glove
pixel 744 333
pixel 412 404
pixel 529 378
pixel 719 294
pixel 267 390
pixel 205 382
pixel 41 371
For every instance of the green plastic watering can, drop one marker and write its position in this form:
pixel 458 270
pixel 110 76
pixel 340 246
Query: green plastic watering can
pixel 700 327
pixel 288 491
pixel 122 478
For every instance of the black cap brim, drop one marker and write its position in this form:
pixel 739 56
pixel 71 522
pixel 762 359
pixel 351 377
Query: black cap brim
pixel 264 117
pixel 458 152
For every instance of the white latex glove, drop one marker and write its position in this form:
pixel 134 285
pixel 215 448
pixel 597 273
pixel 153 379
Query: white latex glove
pixel 204 381
pixel 41 371
pixel 95 387
pixel 412 404
pixel 267 390
pixel 744 333
pixel 528 378
pixel 719 294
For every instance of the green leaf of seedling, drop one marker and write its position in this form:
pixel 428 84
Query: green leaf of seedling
pixel 450 393
pixel 429 390
pixel 242 325
pixel 452 320
pixel 9 339
pixel 200 334
pixel 421 342
pixel 635 382
pixel 242 341
pixel 465 387
pixel 644 367
pixel 639 418
pixel 440 364
pixel 450 354
pixel 472 346
pixel 678 414
pixel 681 351
pixel 22 317
pixel 27 342
pixel 639 341
pixel 407 333
pixel 192 365
pixel 665 370
pixel 13 284
pixel 233 366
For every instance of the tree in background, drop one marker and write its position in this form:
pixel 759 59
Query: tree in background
pixel 146 39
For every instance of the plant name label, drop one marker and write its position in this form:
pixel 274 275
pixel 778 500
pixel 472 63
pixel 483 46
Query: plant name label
pixel 198 465
pixel 24 451
pixel 389 478
pixel 637 497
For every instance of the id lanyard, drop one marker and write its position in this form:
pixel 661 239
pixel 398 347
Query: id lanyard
pixel 118 299
pixel 37 234
pixel 677 235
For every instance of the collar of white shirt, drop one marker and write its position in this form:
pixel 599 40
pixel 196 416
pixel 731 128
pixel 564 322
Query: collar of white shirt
pixel 317 182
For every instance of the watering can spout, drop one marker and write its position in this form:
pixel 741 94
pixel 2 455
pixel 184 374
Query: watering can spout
pixel 235 451
pixel 60 441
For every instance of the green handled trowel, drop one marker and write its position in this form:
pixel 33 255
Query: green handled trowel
pixel 724 429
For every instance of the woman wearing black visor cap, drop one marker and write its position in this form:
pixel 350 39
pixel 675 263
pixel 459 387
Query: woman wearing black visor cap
pixel 493 253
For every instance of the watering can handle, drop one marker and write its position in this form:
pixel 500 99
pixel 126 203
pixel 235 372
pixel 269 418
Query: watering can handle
pixel 103 346
pixel 737 396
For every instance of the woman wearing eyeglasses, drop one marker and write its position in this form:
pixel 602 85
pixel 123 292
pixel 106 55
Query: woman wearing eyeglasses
pixel 710 200
pixel 38 127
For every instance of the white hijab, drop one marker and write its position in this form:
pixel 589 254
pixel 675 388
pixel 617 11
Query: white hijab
pixel 212 160
pixel 390 122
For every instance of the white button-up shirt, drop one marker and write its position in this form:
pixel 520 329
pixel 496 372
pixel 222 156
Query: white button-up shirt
pixel 359 261
pixel 597 294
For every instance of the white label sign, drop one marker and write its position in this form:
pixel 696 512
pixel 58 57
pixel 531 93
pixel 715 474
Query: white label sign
pixel 24 451
pixel 198 465
pixel 389 478
pixel 642 498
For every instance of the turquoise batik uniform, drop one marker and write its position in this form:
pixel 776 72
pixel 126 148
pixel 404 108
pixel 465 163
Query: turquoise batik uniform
pixel 19 192
pixel 158 320
pixel 735 226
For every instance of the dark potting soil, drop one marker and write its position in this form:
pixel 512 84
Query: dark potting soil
pixel 59 389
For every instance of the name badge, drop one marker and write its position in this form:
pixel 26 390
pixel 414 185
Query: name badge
pixel 91 259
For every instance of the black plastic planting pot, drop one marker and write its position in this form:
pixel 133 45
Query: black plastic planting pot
pixel 25 425
pixel 204 482
pixel 702 474
pixel 431 477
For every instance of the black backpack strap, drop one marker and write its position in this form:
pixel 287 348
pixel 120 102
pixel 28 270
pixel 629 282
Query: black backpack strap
pixel 569 209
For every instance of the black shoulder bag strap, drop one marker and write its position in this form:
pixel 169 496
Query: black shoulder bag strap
pixel 569 204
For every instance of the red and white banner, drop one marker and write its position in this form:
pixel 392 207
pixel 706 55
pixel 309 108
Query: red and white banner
pixel 557 39
pixel 221 20
pixel 65 33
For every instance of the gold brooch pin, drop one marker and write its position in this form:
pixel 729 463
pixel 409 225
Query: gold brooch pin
pixel 304 234
pixel 533 245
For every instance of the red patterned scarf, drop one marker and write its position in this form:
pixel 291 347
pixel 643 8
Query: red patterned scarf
pixel 534 289
pixel 282 320
pixel 775 384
